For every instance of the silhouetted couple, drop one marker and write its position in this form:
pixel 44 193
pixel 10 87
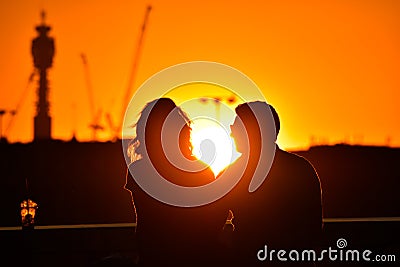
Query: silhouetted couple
pixel 284 212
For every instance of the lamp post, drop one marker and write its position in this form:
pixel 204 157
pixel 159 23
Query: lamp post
pixel 28 212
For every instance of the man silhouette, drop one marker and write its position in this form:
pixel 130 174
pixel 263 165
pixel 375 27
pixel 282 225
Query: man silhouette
pixel 285 212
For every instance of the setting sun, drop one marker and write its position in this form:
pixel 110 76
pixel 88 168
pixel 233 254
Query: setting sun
pixel 212 144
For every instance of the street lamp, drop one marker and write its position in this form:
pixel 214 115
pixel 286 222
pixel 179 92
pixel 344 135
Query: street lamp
pixel 28 212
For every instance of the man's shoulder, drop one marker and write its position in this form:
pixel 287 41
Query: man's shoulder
pixel 293 160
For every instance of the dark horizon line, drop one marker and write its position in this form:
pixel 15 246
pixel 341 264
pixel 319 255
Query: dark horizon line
pixel 4 141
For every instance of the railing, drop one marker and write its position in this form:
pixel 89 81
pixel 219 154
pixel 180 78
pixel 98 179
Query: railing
pixel 128 225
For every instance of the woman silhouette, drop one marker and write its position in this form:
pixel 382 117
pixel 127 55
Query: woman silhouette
pixel 169 235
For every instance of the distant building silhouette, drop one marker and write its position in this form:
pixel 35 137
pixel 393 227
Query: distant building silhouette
pixel 43 53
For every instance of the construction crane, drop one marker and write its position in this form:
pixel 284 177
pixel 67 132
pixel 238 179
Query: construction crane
pixel 112 127
pixel 3 112
pixel 132 76
pixel 96 116
pixel 14 112
pixel 217 102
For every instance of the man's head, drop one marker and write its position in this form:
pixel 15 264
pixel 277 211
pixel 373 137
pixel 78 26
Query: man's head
pixel 245 129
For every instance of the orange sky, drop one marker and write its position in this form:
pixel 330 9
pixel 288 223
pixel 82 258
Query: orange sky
pixel 329 67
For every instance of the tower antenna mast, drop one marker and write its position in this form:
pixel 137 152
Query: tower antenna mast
pixel 43 52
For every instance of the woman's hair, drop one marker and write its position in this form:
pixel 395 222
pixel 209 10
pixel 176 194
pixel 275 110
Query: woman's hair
pixel 151 123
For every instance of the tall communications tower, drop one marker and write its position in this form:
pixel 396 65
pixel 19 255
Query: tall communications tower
pixel 43 53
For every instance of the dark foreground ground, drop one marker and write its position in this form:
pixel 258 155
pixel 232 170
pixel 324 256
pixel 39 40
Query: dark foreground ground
pixel 82 183
pixel 84 247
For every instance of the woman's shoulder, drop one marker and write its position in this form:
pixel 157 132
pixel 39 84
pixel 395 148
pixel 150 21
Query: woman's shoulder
pixel 198 174
pixel 138 166
pixel 135 169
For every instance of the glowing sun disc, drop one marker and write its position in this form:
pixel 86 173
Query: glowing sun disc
pixel 212 144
